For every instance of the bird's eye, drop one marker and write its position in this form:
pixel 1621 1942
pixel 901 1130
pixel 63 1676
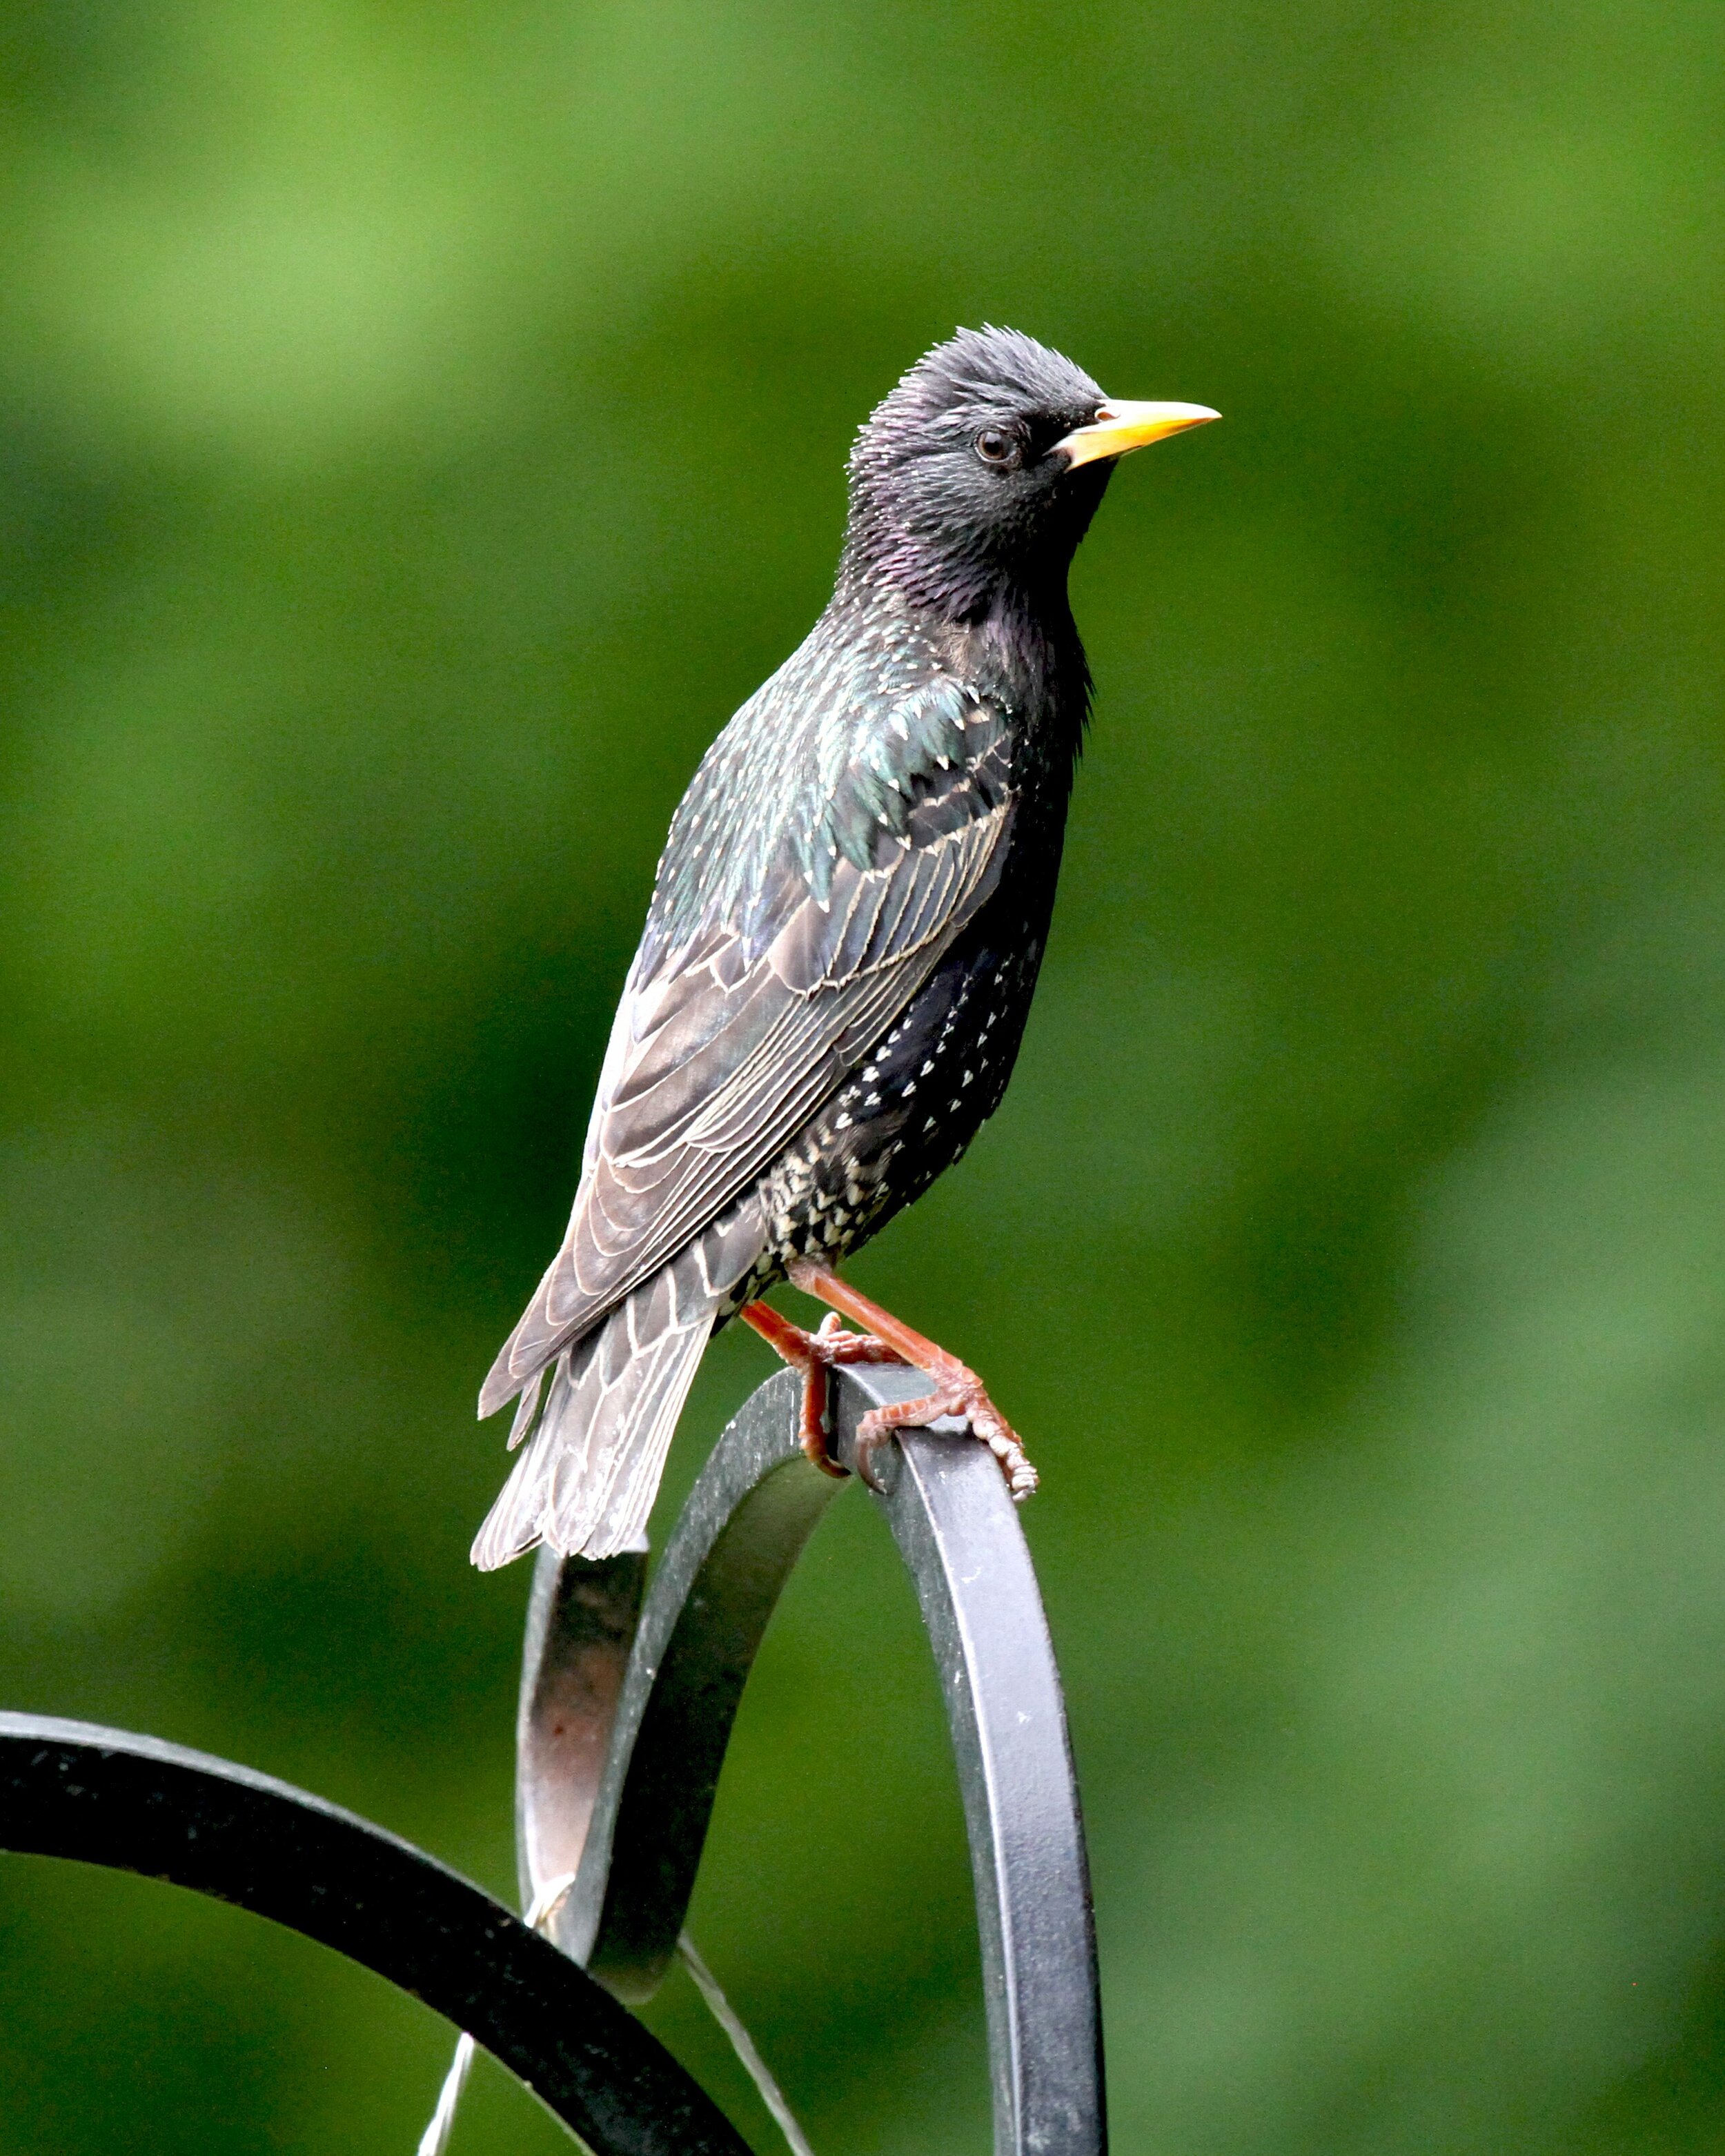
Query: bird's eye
pixel 995 448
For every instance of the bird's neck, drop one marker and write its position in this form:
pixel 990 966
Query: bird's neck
pixel 1008 638
pixel 960 585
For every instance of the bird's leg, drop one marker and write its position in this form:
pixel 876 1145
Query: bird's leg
pixel 957 1390
pixel 814 1353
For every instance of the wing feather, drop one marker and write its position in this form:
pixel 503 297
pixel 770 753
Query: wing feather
pixel 725 1044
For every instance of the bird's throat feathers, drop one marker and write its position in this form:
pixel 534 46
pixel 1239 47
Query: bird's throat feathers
pixel 959 576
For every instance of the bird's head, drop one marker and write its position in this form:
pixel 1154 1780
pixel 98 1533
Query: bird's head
pixel 978 474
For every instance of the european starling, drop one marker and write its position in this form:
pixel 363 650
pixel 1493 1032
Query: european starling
pixel 844 939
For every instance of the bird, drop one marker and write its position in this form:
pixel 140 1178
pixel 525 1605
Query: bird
pixel 844 938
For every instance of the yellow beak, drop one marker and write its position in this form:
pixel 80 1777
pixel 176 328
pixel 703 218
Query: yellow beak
pixel 1119 427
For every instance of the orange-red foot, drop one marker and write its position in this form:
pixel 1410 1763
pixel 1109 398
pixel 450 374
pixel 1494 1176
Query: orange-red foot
pixel 956 1392
pixel 815 1353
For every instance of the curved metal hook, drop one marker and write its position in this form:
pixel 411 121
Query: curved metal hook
pixel 626 1713
pixel 67 1788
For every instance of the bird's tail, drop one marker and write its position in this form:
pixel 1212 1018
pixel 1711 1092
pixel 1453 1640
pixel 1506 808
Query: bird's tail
pixel 587 1480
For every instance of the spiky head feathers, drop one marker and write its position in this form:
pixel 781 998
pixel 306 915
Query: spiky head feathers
pixel 957 490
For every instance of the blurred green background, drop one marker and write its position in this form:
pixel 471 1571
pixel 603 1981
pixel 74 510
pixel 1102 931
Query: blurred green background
pixel 422 424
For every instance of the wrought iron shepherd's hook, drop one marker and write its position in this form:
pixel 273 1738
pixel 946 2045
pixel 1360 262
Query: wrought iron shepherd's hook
pixel 627 1708
pixel 628 1701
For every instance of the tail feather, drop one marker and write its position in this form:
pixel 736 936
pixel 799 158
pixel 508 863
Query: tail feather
pixel 587 1478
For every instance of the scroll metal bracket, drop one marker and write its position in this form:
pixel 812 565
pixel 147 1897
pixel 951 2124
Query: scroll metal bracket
pixel 630 1693
pixel 104 1796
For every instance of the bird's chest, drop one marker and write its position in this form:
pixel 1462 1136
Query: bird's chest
pixel 912 1107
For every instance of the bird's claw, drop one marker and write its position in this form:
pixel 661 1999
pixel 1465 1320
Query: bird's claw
pixel 815 1353
pixel 959 1393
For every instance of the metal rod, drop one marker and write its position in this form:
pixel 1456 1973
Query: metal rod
pixel 747 2051
pixel 103 1796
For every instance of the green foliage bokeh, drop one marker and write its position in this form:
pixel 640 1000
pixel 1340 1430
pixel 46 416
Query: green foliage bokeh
pixel 422 424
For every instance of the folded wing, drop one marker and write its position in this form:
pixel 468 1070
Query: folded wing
pixel 745 1009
